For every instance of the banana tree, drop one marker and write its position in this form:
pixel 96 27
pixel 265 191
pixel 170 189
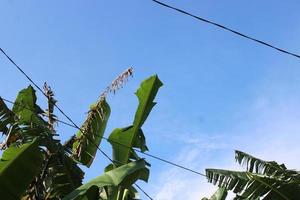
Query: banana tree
pixel 265 180
pixel 124 141
pixel 36 165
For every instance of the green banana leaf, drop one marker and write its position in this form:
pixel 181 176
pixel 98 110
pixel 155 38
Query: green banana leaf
pixel 270 168
pixel 6 117
pixel 18 167
pixel 123 176
pixel 24 116
pixel 90 136
pixel 251 186
pixel 62 174
pixel 26 108
pixel 65 175
pixel 123 139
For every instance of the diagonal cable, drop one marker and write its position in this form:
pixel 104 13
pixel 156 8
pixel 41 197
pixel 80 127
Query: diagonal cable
pixel 118 162
pixel 229 29
pixel 120 144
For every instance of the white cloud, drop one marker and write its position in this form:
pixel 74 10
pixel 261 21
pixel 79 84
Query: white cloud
pixel 273 134
pixel 177 184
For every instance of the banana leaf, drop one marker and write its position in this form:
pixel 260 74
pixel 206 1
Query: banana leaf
pixel 123 176
pixel 124 139
pixel 18 167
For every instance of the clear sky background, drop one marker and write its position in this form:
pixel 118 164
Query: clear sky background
pixel 221 92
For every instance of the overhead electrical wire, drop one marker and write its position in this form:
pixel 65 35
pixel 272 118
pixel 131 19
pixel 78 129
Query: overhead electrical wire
pixel 115 161
pixel 225 184
pixel 143 191
pixel 120 144
pixel 266 44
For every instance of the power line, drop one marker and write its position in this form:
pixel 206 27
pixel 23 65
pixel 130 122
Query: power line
pixel 120 144
pixel 60 110
pixel 229 29
pixel 108 140
pixel 145 193
pixel 115 161
pixel 24 73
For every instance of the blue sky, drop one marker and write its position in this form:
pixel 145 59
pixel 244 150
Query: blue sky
pixel 220 92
